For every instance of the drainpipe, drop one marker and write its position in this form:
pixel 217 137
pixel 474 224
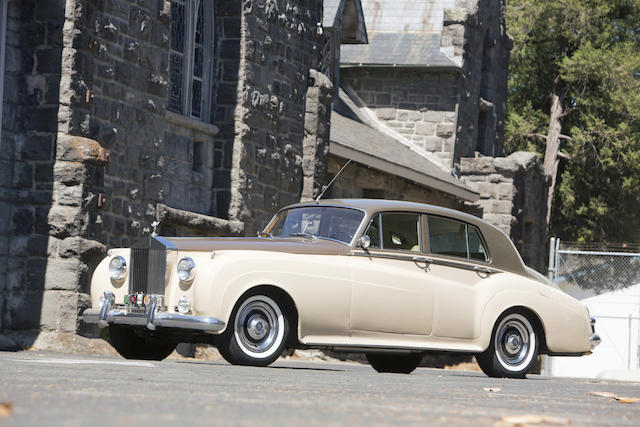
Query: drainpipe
pixel 455 137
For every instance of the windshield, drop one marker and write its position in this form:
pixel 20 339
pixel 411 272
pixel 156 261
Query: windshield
pixel 317 222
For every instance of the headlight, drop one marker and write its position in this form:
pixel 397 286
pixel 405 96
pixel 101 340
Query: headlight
pixel 117 267
pixel 185 269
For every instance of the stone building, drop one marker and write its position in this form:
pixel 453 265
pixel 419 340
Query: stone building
pixel 209 115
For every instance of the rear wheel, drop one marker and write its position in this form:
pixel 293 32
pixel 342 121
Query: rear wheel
pixel 394 363
pixel 131 345
pixel 513 348
pixel 257 332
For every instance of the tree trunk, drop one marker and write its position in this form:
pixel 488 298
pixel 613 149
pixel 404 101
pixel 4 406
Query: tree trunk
pixel 553 147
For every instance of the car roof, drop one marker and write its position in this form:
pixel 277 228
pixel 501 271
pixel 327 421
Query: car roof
pixel 376 205
pixel 502 251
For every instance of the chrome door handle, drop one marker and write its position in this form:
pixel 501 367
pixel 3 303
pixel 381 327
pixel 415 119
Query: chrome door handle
pixel 421 259
pixel 485 270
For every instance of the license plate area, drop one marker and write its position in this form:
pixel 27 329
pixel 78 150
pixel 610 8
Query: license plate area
pixel 139 303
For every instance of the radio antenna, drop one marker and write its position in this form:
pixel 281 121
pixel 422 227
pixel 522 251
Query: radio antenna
pixel 334 178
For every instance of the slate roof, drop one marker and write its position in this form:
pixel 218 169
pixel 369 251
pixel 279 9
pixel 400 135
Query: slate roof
pixel 397 48
pixel 330 10
pixel 350 138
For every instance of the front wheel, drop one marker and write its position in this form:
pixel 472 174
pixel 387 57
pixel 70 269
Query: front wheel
pixel 513 348
pixel 257 332
pixel 131 345
pixel 394 363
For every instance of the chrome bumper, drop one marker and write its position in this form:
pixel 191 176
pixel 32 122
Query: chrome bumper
pixel 151 320
pixel 594 339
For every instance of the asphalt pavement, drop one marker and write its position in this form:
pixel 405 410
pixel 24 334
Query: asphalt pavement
pixel 53 389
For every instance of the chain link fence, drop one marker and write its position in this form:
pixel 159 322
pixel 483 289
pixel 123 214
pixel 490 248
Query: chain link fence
pixel 594 267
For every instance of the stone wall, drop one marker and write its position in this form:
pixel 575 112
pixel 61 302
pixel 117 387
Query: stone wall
pixel 359 181
pixel 417 104
pixel 513 193
pixel 280 43
pixel 34 51
pixel 476 30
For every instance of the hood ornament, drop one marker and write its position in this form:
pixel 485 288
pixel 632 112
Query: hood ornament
pixel 155 225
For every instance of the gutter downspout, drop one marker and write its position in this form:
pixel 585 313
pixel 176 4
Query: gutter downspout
pixel 455 137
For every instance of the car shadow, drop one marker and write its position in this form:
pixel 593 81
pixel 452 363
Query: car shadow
pixel 222 363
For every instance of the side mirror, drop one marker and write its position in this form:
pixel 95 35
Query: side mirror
pixel 364 242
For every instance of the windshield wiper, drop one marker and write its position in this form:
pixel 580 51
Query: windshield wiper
pixel 307 235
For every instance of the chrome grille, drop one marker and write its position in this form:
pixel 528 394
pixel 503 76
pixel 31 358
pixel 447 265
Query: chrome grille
pixel 148 266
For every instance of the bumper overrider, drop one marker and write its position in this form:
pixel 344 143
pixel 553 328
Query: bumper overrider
pixel 594 339
pixel 110 314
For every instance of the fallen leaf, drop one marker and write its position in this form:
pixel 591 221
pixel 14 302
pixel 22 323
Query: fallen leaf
pixel 614 396
pixel 492 389
pixel 528 419
pixel 603 394
pixel 5 410
pixel 626 399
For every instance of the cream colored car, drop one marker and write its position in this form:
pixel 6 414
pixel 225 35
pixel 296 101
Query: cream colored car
pixel 391 279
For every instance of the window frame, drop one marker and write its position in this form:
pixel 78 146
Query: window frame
pixel 188 59
pixel 466 231
pixel 420 230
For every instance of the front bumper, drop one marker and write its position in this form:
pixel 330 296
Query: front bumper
pixel 152 319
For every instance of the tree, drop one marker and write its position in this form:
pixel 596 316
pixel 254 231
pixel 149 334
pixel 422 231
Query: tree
pixel 574 95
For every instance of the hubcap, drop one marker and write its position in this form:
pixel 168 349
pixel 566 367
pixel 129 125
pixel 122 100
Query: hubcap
pixel 515 342
pixel 259 326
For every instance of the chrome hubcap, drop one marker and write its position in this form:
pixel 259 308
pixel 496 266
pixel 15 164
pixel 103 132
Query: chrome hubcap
pixel 256 325
pixel 514 341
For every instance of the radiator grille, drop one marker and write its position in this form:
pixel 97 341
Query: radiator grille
pixel 148 266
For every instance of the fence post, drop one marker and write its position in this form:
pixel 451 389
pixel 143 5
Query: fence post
pixel 629 359
pixel 552 258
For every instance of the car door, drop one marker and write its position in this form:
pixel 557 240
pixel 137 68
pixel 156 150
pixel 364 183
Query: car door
pixel 391 291
pixel 458 266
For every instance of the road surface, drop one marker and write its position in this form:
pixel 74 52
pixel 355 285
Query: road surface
pixel 52 389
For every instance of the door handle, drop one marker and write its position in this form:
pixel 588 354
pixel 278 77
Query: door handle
pixel 421 259
pixel 485 270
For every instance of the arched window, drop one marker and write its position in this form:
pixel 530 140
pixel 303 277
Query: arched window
pixel 191 58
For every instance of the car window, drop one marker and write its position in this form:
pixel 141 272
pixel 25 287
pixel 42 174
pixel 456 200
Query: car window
pixel 476 247
pixel 401 231
pixel 373 231
pixel 447 237
pixel 455 238
pixel 324 222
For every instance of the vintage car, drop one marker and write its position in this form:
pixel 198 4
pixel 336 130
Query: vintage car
pixel 391 279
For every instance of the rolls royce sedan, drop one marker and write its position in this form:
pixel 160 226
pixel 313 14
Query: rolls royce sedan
pixel 390 279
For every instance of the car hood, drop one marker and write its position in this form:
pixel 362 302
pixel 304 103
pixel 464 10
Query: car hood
pixel 294 245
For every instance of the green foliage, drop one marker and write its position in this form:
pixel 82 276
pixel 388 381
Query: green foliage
pixel 589 53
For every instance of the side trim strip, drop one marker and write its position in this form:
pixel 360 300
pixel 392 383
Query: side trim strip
pixel 428 260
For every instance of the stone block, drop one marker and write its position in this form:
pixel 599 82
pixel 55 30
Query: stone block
pixel 432 116
pixel 386 113
pixel 22 310
pixel 22 220
pixel 63 274
pixel 506 191
pixel 445 130
pixel 425 128
pixel 432 143
pixel 501 207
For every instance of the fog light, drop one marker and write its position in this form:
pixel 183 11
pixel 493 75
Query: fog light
pixel 117 268
pixel 184 305
pixel 185 269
